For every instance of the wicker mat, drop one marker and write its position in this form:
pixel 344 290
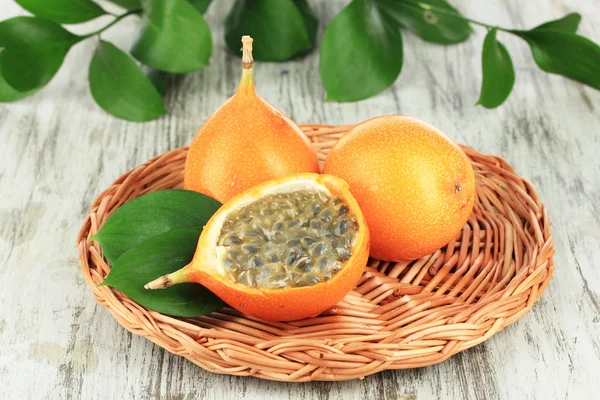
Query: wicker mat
pixel 401 315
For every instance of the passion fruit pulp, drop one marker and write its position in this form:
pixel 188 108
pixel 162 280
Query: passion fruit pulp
pixel 287 240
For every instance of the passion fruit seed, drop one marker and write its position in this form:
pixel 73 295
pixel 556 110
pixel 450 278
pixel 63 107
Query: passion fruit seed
pixel 287 240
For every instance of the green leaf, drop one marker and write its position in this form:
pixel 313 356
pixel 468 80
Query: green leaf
pixel 310 20
pixel 120 87
pixel 498 72
pixel 159 79
pixel 201 5
pixel 127 4
pixel 150 215
pixel 569 23
pixel 8 93
pixel 430 25
pixel 279 30
pixel 174 37
pixel 63 11
pixel 158 256
pixel 34 49
pixel 565 54
pixel 361 52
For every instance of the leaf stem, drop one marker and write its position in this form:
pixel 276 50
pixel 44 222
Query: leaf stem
pixel 117 19
pixel 423 5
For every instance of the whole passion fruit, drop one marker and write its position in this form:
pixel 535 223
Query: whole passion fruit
pixel 415 186
pixel 245 142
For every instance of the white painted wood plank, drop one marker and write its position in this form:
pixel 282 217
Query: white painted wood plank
pixel 58 150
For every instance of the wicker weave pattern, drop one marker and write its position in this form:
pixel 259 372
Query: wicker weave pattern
pixel 401 315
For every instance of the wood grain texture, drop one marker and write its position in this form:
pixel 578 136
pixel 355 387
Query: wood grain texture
pixel 58 150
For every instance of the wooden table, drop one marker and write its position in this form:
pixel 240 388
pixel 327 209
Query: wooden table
pixel 59 150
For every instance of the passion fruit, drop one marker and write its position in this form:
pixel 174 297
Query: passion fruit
pixel 244 142
pixel 284 250
pixel 415 186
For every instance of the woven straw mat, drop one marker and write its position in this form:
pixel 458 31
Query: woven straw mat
pixel 401 315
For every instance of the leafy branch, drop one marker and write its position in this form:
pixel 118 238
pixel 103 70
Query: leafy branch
pixel 173 38
pixel 114 21
pixel 372 29
pixel 363 43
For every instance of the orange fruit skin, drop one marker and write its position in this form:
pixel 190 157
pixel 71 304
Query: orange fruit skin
pixel 415 186
pixel 288 304
pixel 285 304
pixel 245 142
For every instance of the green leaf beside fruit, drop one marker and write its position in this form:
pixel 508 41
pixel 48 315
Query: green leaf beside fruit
pixel 157 256
pixel 150 215
pixel 153 235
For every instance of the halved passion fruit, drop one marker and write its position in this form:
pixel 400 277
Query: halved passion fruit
pixel 283 250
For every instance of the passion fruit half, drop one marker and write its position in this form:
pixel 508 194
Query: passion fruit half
pixel 286 249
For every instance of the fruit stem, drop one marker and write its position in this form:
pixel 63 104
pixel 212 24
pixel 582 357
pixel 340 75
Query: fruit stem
pixel 247 60
pixel 247 80
pixel 168 280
